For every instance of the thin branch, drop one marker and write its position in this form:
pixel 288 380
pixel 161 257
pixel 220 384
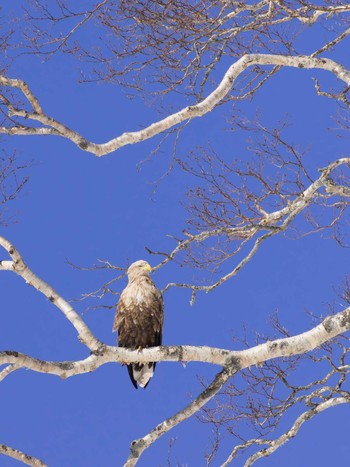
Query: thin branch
pixel 242 446
pixel 292 432
pixel 22 86
pixel 140 445
pixel 209 288
pixel 87 16
pixel 274 223
pixel 332 43
pixel 21 456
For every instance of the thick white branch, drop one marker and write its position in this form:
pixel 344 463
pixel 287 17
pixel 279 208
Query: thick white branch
pixel 238 360
pixel 18 266
pixel 8 370
pixel 331 327
pixel 172 120
pixel 232 361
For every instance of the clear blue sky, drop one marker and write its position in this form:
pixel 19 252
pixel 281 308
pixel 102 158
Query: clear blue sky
pixel 79 207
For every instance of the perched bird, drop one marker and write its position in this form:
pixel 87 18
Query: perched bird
pixel 139 319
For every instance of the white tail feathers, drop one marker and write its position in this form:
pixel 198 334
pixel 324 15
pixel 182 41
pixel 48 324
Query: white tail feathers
pixel 143 373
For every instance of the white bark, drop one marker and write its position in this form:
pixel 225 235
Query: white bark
pixel 7 370
pixel 54 127
pixel 18 266
pixel 21 456
pixel 332 326
pixel 272 445
pixel 231 361
pixel 242 359
pixel 272 223
pixel 293 431
pixel 140 445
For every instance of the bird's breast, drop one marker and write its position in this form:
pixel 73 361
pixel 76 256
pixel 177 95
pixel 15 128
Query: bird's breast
pixel 137 297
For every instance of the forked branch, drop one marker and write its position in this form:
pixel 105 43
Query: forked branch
pixel 293 431
pixel 231 361
pixel 272 445
pixel 51 126
pixel 271 224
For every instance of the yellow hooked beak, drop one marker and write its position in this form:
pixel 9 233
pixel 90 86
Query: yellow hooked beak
pixel 147 267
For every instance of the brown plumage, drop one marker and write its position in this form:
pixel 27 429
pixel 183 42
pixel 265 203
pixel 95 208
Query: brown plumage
pixel 139 319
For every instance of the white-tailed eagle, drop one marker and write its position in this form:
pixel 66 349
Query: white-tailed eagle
pixel 139 319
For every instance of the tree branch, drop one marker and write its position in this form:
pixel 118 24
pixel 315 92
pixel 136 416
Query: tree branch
pixel 8 370
pixel 140 445
pixel 21 456
pixel 292 432
pixel 244 359
pixel 272 223
pixel 232 361
pixel 331 327
pixel 18 266
pixel 197 110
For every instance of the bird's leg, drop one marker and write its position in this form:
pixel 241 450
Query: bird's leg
pixel 139 349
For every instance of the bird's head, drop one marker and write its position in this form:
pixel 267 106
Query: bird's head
pixel 139 268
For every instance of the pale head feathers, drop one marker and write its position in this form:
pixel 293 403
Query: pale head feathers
pixel 138 269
